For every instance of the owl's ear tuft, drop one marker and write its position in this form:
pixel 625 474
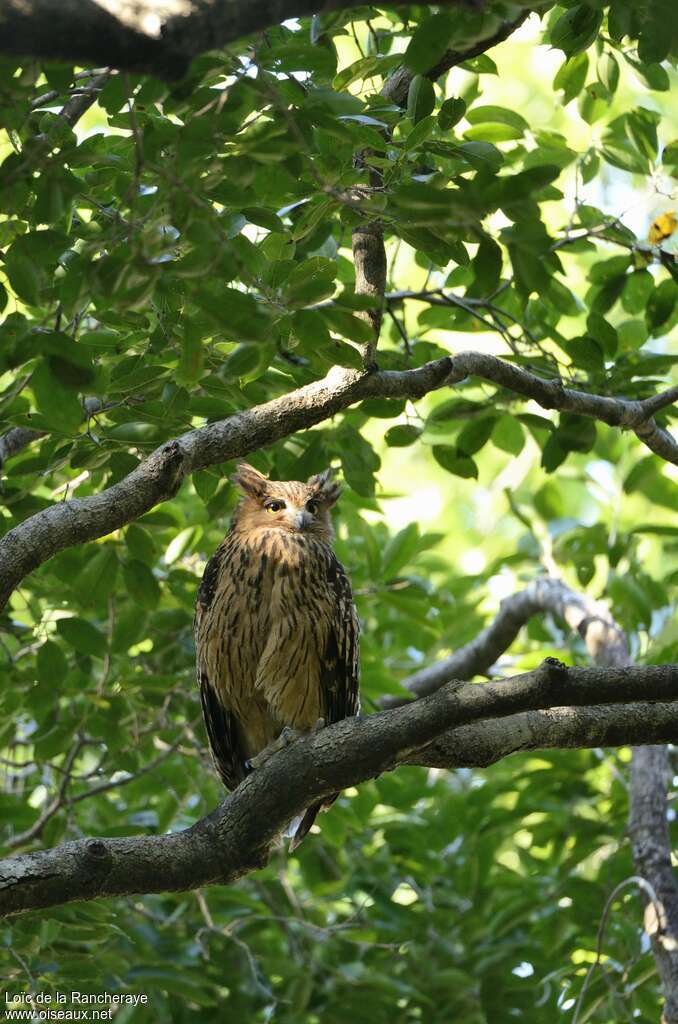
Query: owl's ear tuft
pixel 249 480
pixel 324 488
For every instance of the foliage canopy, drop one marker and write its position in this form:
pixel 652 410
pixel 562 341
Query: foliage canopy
pixel 178 253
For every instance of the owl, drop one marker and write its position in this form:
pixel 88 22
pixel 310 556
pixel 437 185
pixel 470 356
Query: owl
pixel 276 630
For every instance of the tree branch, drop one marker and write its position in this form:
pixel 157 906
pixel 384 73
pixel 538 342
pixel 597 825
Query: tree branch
pixel 484 743
pixel 397 87
pixel 143 36
pixel 237 837
pixel 476 657
pixel 159 477
pixel 15 440
pixel 369 253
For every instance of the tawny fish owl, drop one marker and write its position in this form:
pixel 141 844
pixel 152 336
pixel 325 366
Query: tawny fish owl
pixel 276 629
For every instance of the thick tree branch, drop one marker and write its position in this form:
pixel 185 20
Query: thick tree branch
pixel 237 837
pixel 484 743
pixel 157 37
pixel 158 478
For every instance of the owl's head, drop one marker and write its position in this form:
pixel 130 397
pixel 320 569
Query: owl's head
pixel 288 505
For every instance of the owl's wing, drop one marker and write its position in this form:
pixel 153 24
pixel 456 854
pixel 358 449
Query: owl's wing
pixel 340 662
pixel 339 673
pixel 221 724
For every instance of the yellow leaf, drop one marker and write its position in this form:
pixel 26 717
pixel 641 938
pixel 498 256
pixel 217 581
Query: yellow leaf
pixel 662 227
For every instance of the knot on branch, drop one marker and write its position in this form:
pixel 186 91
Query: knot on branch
pixel 555 670
pixel 170 467
pixel 98 857
pixel 454 370
pixel 555 398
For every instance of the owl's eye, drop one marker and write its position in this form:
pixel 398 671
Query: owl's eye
pixel 274 506
pixel 312 507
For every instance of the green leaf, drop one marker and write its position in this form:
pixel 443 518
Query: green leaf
pixel 593 103
pixel 59 406
pixel 475 434
pixel 603 333
pixel 499 115
pixel 419 134
pixel 655 40
pixel 141 584
pixel 82 636
pixel 653 75
pixel 553 454
pixel 481 155
pixel 576 29
pixel 51 664
pixel 480 65
pixel 632 334
pixel 30 261
pixel 454 462
pixel 608 71
pixel 661 305
pixel 605 270
pixel 451 111
pixel 508 435
pixel 97 579
pixel 576 433
pixel 248 361
pixel 402 435
pixel 135 432
pixel 493 132
pixel 311 281
pixel 429 42
pixel 638 287
pixel 239 315
pixel 487 267
pixel 399 550
pixel 586 354
pixel 68 360
pixel 421 98
pixel 642 127
pixel 348 325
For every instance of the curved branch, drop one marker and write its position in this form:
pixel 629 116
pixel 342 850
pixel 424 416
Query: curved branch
pixel 237 837
pixel 590 618
pixel 159 477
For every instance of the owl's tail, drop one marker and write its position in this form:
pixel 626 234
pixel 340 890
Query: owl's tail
pixel 300 826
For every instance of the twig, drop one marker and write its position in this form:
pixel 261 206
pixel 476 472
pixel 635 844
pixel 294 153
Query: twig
pixel 643 884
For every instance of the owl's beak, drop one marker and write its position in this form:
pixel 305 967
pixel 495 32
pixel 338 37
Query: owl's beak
pixel 300 520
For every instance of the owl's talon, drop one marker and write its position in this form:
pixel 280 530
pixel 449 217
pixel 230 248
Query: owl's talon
pixel 287 736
